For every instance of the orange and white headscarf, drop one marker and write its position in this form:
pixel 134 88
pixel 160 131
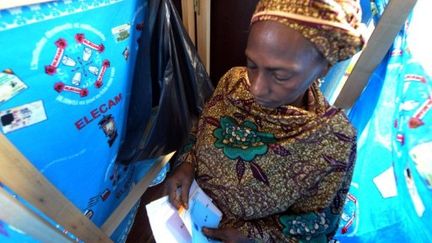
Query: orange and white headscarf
pixel 333 26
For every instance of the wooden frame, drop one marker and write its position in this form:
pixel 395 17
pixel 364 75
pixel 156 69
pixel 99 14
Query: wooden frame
pixel 196 19
pixel 20 217
pixel 18 174
pixel 203 32
pixel 134 195
pixel 188 15
pixel 382 37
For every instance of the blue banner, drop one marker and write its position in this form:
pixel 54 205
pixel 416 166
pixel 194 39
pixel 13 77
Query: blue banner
pixel 65 76
pixel 390 199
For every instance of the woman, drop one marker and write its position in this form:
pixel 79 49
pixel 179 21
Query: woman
pixel 274 156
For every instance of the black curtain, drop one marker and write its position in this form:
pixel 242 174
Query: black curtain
pixel 169 89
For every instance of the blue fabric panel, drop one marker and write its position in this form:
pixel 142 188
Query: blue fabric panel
pixel 65 75
pixel 364 107
pixel 397 136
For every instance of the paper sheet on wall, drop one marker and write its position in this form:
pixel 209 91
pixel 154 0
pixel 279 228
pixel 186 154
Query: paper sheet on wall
pixel 386 183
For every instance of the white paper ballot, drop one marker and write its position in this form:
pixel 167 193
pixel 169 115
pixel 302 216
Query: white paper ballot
pixel 183 226
pixel 165 222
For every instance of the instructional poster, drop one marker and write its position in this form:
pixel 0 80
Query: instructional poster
pixel 66 69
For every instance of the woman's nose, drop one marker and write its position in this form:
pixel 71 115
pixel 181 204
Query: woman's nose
pixel 259 86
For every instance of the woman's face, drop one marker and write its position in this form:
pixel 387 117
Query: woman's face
pixel 281 64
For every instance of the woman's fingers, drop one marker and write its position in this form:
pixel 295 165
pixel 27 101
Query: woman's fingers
pixel 178 185
pixel 218 234
pixel 226 235
pixel 186 184
pixel 172 193
pixel 183 187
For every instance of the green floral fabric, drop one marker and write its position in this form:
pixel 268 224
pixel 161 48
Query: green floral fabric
pixel 241 141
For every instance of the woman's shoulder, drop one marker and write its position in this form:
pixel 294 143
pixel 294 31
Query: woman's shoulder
pixel 239 71
pixel 231 79
pixel 341 125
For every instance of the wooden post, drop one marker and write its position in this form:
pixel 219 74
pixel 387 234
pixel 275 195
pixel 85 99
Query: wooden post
pixel 379 43
pixel 196 19
pixel 134 195
pixel 188 15
pixel 18 174
pixel 203 30
pixel 17 215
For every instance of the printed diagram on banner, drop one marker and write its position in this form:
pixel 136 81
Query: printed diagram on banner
pixel 349 221
pixel 417 120
pixel 421 154
pixel 10 85
pixel 82 68
pixel 22 116
pixel 74 57
pixel 416 110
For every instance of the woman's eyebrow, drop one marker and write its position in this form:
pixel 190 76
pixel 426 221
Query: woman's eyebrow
pixel 294 68
pixel 279 69
pixel 291 69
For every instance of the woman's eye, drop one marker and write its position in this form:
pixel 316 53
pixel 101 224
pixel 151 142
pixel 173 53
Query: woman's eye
pixel 281 78
pixel 251 66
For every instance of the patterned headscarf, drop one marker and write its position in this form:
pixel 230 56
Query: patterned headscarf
pixel 333 26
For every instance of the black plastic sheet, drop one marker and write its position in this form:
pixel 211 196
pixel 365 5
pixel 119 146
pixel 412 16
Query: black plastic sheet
pixel 169 89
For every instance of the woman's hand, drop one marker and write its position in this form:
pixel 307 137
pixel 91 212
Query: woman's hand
pixel 181 179
pixel 227 235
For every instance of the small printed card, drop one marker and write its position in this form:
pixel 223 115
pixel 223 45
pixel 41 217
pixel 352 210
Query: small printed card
pixel 121 32
pixel 10 85
pixel 22 116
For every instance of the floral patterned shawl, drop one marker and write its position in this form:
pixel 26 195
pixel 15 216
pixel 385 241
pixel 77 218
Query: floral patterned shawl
pixel 276 174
